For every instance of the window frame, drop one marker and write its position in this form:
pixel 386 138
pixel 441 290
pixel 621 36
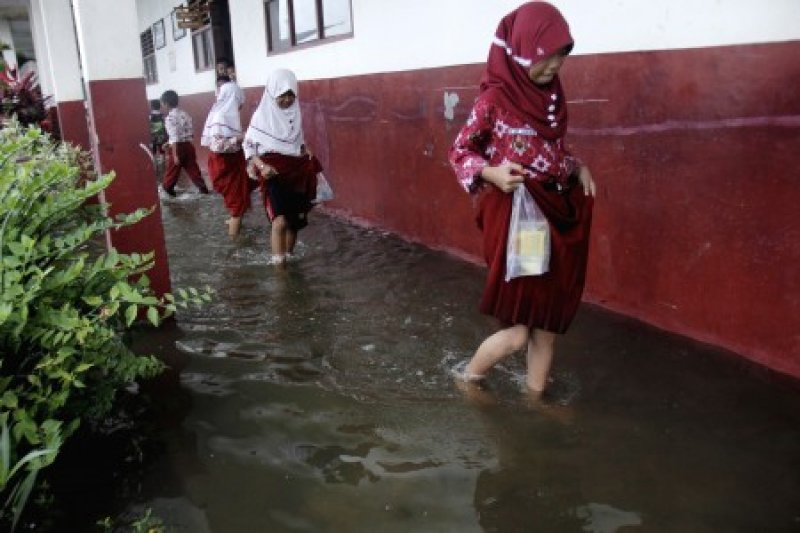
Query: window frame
pixel 149 63
pixel 321 40
pixel 206 34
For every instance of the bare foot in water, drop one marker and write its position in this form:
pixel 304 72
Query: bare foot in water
pixel 278 260
pixel 538 401
pixel 473 387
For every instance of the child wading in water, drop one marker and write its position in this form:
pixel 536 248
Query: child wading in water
pixel 513 138
pixel 222 134
pixel 277 155
pixel 180 150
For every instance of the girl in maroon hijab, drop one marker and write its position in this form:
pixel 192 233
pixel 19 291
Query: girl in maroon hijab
pixel 513 138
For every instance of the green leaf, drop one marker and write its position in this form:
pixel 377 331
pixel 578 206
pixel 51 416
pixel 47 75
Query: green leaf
pixel 94 301
pixel 5 312
pixel 27 242
pixel 130 314
pixel 112 308
pixel 9 400
pixel 152 316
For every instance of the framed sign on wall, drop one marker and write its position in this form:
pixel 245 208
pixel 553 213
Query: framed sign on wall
pixel 159 37
pixel 178 32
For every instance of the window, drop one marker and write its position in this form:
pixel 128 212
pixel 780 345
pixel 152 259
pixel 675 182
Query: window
pixel 203 46
pixel 294 23
pixel 148 57
pixel 210 24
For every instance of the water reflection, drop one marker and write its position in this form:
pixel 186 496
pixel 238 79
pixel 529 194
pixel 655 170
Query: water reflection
pixel 539 482
pixel 319 398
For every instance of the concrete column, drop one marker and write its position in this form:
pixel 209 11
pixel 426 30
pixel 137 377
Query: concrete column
pixel 111 62
pixel 40 47
pixel 10 55
pixel 65 69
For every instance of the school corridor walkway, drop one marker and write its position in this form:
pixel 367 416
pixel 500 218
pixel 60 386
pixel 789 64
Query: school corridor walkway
pixel 319 398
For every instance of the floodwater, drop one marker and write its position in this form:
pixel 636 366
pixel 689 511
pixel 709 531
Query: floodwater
pixel 319 398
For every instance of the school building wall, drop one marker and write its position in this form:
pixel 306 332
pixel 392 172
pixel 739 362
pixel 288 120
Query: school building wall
pixel 685 110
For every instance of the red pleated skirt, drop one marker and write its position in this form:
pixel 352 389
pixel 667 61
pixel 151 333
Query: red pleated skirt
pixel 228 173
pixel 292 191
pixel 548 301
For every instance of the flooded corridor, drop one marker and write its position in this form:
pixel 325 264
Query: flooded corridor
pixel 318 398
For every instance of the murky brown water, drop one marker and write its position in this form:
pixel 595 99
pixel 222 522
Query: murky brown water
pixel 318 399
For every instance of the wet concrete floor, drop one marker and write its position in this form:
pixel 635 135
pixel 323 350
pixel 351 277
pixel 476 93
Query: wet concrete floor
pixel 318 398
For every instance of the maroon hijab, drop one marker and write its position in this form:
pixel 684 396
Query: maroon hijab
pixel 525 36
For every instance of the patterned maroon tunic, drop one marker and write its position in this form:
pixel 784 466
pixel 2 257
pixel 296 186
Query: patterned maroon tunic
pixel 492 136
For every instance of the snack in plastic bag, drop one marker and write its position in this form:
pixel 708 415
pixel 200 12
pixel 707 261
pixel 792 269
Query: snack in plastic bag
pixel 324 191
pixel 528 247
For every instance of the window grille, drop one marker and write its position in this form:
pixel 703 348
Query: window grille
pixel 150 71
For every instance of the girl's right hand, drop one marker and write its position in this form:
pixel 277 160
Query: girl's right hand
pixel 505 176
pixel 266 170
pixel 252 173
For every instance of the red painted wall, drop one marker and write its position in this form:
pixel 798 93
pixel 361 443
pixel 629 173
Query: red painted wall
pixel 696 153
pixel 72 123
pixel 697 230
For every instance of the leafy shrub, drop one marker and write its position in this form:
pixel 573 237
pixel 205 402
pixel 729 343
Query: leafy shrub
pixel 65 303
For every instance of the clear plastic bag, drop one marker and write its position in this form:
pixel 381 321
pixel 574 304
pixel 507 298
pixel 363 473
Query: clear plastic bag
pixel 324 191
pixel 528 247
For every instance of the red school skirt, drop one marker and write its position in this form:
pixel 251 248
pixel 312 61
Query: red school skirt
pixel 228 173
pixel 548 301
pixel 292 191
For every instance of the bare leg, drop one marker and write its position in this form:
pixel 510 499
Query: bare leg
pixel 278 239
pixel 541 346
pixel 291 240
pixel 496 348
pixel 234 224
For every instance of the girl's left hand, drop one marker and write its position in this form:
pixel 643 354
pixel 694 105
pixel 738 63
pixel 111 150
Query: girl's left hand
pixel 585 177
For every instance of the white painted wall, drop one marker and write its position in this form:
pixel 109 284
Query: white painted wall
pixel 396 35
pixel 108 50
pixel 248 29
pixel 175 61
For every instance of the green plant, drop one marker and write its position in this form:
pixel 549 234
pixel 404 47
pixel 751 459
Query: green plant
pixel 65 301
pixel 144 524
pixel 33 461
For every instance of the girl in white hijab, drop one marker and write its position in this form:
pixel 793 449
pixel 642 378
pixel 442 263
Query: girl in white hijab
pixel 223 129
pixel 222 134
pixel 277 155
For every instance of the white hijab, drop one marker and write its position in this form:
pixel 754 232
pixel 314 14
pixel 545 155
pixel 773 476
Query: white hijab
pixel 223 118
pixel 273 129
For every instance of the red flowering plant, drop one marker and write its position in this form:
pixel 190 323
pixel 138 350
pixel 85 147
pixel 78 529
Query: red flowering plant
pixel 22 96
